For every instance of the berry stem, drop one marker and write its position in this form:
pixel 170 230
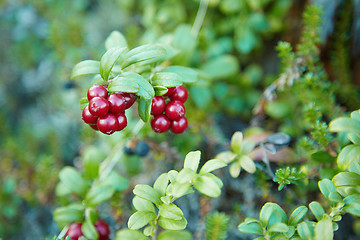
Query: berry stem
pixel 63 232
pixel 199 19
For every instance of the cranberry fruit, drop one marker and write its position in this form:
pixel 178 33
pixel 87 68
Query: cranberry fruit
pixel 74 231
pixel 103 229
pixel 116 103
pixel 158 105
pixel 88 117
pixel 97 90
pixel 98 106
pixel 129 99
pixel 175 110
pixel 180 94
pixel 94 126
pixel 122 121
pixel 108 124
pixel 179 126
pixel 160 123
pixel 170 91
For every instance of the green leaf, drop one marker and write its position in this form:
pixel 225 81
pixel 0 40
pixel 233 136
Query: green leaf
pixel 143 205
pixel 71 213
pixel 324 229
pixel 184 41
pixel 212 165
pixel 89 230
pixel 188 75
pixel 108 61
pixel 170 224
pixel 172 174
pixel 355 138
pixel 272 213
pixel 175 235
pixel 186 175
pixel 251 226
pixel 91 215
pixel 317 209
pixel 160 90
pixel 118 182
pixel 247 164
pixel 140 219
pixel 149 53
pixel 278 227
pixel 99 194
pixel 73 180
pixel 161 183
pixel 166 79
pixel 202 96
pixel 344 124
pixel 148 193
pixel 297 215
pixel 207 186
pixel 192 160
pixel 86 67
pixel 170 211
pixel 146 91
pixel 83 102
pixel 352 205
pixel 346 179
pixel 92 158
pixel 235 169
pixel 348 155
pixel 221 67
pixel 144 109
pixel 130 235
pixel 247 146
pixel 123 84
pixel 115 39
pixel 322 157
pixel 246 40
pixel 180 189
pixel 226 156
pixel 236 142
pixel 305 230
pixel 326 187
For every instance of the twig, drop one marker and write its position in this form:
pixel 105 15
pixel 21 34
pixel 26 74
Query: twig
pixel 199 19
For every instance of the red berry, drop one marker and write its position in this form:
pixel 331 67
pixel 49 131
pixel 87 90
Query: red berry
pixel 129 99
pixel 108 124
pixel 180 94
pixel 179 126
pixel 94 126
pixel 98 106
pixel 175 110
pixel 97 90
pixel 160 123
pixel 158 105
pixel 122 121
pixel 88 117
pixel 170 91
pixel 74 231
pixel 103 229
pixel 116 103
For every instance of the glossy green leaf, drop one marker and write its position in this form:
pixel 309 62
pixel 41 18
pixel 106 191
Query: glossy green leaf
pixel 146 91
pixel 344 124
pixel 226 156
pixel 346 179
pixel 91 215
pixel 192 160
pixel 170 211
pixel 86 67
pixel 207 186
pixel 352 204
pixel 73 180
pixel 180 189
pixel 140 219
pixel 251 226
pixel 278 227
pixel 236 142
pixel 272 213
pixel 212 165
pixel 161 183
pixel 324 229
pixel 186 175
pixel 170 224
pixel 108 61
pixel 115 39
pixel 144 109
pixel 355 138
pixel 114 179
pixel 317 209
pixel 297 215
pixel 148 53
pixel 123 84
pixel 235 169
pixel 221 67
pixel 247 164
pixel 326 187
pixel 172 174
pixel 89 230
pixel 143 205
pixel 348 155
pixel 175 235
pixel 130 235
pixel 188 75
pixel 166 79
pixel 160 90
pixel 99 194
pixel 71 213
pixel 322 157
pixel 83 103
pixel 305 230
pixel 148 193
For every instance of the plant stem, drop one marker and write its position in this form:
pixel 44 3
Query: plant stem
pixel 266 160
pixel 199 19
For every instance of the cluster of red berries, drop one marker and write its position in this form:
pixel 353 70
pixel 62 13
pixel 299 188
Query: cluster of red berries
pixel 106 112
pixel 102 228
pixel 170 113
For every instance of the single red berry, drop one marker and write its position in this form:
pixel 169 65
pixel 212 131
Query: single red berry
pixel 180 94
pixel 103 229
pixel 116 103
pixel 94 126
pixel 129 99
pixel 98 106
pixel 74 231
pixel 121 120
pixel 88 117
pixel 170 91
pixel 97 90
pixel 160 123
pixel 158 105
pixel 108 124
pixel 175 110
pixel 179 126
